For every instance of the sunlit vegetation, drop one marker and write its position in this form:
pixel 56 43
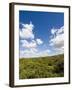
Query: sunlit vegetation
pixel 43 67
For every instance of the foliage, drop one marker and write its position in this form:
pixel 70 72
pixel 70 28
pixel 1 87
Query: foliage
pixel 43 67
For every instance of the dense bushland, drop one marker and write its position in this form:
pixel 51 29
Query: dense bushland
pixel 43 67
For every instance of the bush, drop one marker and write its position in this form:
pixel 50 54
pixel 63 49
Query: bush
pixel 45 67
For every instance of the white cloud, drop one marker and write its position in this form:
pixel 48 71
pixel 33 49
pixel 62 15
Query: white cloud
pixel 31 44
pixel 24 53
pixel 27 53
pixel 32 53
pixel 42 54
pixel 27 31
pixel 48 51
pixel 39 41
pixel 34 50
pixel 57 42
pixel 61 30
pixel 27 44
pixel 53 31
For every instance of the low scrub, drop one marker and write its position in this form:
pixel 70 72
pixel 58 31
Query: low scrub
pixel 43 67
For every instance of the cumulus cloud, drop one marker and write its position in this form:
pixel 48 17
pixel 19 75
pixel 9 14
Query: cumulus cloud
pixel 39 41
pixel 53 31
pixel 31 44
pixel 60 31
pixel 58 39
pixel 27 31
pixel 27 44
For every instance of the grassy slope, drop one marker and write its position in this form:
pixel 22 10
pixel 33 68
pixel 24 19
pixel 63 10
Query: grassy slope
pixel 44 67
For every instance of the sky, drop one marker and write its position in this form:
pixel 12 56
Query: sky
pixel 41 33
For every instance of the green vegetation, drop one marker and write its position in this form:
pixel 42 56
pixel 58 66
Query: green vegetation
pixel 43 67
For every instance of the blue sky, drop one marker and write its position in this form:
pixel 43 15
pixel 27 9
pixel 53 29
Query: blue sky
pixel 44 30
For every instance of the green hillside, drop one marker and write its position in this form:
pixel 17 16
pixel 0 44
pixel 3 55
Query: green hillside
pixel 44 67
